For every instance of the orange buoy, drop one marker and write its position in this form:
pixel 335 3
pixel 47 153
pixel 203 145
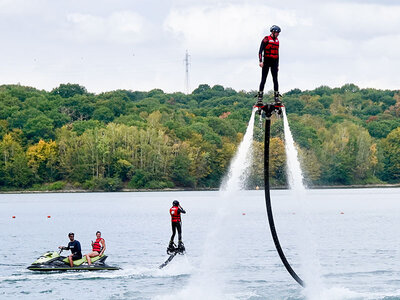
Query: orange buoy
pixel 257 187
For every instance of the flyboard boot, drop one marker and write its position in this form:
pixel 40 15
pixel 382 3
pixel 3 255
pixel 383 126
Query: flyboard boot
pixel 171 248
pixel 259 104
pixel 181 247
pixel 277 99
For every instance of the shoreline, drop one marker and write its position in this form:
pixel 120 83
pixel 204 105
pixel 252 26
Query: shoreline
pixel 321 187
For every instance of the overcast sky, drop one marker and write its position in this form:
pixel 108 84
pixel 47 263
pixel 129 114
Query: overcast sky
pixel 140 44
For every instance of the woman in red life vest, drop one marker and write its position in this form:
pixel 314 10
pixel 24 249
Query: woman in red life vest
pixel 98 248
pixel 270 47
pixel 175 212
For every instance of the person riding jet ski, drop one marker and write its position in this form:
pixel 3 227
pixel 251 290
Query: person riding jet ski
pixel 270 48
pixel 175 212
pixel 75 248
pixel 98 248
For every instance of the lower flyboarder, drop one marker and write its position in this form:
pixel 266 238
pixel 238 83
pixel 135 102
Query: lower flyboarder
pixel 175 212
pixel 270 47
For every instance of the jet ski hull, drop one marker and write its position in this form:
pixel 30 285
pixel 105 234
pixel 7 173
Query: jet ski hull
pixel 52 261
pixel 66 268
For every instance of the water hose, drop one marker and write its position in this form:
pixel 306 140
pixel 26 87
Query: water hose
pixel 269 207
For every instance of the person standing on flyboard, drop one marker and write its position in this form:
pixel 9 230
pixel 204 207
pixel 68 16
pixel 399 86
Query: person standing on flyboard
pixel 175 212
pixel 270 48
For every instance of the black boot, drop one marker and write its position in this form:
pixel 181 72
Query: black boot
pixel 171 247
pixel 259 99
pixel 181 247
pixel 277 98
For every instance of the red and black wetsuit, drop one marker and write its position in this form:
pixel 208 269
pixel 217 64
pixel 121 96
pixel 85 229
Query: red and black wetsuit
pixel 270 47
pixel 175 212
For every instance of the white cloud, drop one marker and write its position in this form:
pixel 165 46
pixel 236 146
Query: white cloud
pixel 122 27
pixel 141 44
pixel 227 30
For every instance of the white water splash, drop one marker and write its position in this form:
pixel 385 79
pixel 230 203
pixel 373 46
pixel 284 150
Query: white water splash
pixel 295 175
pixel 310 267
pixel 241 162
pixel 208 282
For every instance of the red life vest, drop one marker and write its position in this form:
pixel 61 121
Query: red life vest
pixel 175 214
pixel 272 48
pixel 96 245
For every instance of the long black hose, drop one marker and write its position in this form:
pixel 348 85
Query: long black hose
pixel 269 208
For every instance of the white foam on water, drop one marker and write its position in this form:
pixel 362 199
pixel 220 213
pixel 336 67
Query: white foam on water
pixel 209 280
pixel 310 266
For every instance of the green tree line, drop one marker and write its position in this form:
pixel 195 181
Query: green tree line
pixel 70 138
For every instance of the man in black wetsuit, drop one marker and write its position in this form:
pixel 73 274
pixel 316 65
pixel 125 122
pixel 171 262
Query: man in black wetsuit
pixel 270 47
pixel 75 248
pixel 175 212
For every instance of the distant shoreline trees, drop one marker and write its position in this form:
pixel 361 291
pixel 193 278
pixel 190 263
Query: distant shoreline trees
pixel 128 139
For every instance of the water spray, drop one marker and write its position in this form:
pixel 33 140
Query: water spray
pixel 269 109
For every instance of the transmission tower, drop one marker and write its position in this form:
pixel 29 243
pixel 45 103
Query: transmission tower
pixel 187 63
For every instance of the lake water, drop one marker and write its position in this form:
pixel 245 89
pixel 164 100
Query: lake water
pixel 353 236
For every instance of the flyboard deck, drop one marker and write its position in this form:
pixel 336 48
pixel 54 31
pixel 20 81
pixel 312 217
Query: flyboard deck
pixel 170 258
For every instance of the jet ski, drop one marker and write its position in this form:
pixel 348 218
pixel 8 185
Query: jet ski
pixel 53 261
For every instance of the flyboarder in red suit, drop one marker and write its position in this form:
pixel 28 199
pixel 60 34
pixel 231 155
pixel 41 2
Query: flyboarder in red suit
pixel 270 60
pixel 176 222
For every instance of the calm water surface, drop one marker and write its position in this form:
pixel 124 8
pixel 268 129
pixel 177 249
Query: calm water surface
pixel 344 243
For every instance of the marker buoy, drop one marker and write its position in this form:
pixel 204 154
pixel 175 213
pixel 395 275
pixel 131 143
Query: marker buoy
pixel 257 187
pixel 243 214
pixel 13 217
pixel 48 217
pixel 342 213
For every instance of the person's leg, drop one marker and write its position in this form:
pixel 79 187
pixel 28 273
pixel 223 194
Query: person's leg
pixel 173 233
pixel 264 74
pixel 274 72
pixel 179 227
pixel 91 254
pixel 71 263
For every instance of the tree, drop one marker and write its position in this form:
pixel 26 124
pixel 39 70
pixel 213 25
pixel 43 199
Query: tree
pixel 43 160
pixel 69 90
pixel 391 153
pixel 14 170
pixel 40 127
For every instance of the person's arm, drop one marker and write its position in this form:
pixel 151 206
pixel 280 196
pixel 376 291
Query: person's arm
pixel 77 248
pixel 181 210
pixel 103 242
pixel 262 47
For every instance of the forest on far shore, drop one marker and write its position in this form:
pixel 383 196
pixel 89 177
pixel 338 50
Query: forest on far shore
pixel 69 138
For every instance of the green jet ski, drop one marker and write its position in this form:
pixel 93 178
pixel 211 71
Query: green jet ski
pixel 53 261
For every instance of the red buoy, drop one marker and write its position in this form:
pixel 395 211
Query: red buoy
pixel 13 217
pixel 48 217
pixel 342 213
pixel 243 214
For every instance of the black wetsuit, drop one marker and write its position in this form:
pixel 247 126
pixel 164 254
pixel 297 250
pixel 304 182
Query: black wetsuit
pixel 177 226
pixel 75 248
pixel 269 62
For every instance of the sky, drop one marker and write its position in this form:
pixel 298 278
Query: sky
pixel 140 44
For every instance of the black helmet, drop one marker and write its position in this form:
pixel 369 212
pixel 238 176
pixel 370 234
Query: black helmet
pixel 275 28
pixel 175 203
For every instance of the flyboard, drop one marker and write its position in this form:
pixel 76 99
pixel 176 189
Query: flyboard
pixel 172 252
pixel 268 109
